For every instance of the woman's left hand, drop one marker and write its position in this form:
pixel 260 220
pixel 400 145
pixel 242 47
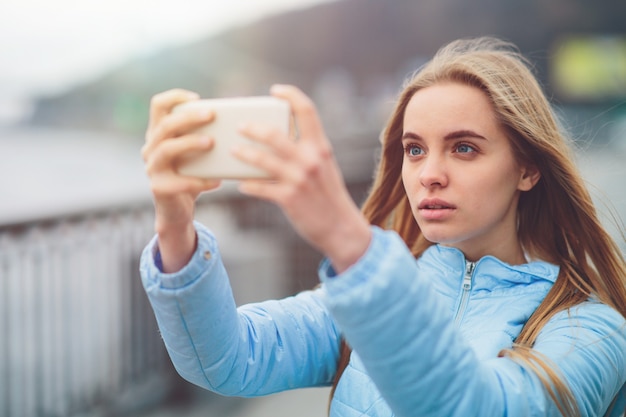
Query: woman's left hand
pixel 306 182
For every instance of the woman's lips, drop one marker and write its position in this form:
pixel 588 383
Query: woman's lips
pixel 435 209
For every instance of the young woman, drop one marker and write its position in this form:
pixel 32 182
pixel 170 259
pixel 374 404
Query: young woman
pixel 475 281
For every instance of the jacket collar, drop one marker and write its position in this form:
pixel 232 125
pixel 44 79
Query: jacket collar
pixel 453 260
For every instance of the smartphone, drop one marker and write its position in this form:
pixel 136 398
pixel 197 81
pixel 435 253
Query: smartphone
pixel 230 114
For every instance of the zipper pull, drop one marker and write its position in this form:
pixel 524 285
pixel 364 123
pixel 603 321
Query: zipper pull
pixel 467 279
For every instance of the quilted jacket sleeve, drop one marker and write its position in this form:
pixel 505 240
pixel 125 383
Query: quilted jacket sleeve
pixel 254 350
pixel 422 366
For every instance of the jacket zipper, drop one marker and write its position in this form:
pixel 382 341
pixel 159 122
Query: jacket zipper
pixel 466 287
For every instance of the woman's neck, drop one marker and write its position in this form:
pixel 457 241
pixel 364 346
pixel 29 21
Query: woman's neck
pixel 510 251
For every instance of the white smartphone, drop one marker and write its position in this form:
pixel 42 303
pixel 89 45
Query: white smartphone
pixel 230 114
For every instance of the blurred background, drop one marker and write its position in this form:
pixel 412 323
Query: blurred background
pixel 77 337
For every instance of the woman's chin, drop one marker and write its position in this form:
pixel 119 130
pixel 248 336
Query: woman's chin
pixel 439 238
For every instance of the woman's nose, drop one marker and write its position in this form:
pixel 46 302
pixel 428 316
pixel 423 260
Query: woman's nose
pixel 433 172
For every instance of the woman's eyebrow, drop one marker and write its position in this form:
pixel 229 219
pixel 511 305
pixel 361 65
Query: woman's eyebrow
pixel 411 135
pixel 457 134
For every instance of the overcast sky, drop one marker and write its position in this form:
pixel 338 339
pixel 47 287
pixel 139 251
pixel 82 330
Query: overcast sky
pixel 46 46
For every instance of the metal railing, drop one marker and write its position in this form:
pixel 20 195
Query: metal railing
pixel 77 331
pixel 79 337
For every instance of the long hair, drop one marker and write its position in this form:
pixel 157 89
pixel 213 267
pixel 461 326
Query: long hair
pixel 557 221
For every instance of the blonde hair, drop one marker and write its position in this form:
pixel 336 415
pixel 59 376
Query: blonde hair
pixel 557 221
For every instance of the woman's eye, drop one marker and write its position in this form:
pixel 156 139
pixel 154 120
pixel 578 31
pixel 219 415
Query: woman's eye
pixel 413 150
pixel 465 148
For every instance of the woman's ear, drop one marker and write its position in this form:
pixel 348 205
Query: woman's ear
pixel 530 175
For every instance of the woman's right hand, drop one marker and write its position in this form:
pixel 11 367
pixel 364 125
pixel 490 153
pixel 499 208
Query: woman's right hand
pixel 168 138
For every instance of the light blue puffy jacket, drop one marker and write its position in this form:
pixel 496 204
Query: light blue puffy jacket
pixel 425 335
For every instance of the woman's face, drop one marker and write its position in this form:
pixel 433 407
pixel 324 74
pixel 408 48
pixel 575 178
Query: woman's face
pixel 459 173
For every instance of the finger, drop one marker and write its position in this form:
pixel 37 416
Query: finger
pixel 162 103
pixel 172 185
pixel 181 123
pixel 169 153
pixel 272 137
pixel 280 193
pixel 265 190
pixel 275 167
pixel 294 135
pixel 307 120
pixel 283 159
pixel 284 194
pixel 176 125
